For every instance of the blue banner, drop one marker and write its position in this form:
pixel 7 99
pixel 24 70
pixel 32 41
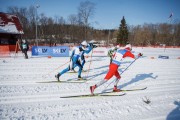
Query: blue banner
pixel 59 51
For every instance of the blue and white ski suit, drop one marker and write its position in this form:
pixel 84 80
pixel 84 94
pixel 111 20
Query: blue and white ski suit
pixel 76 56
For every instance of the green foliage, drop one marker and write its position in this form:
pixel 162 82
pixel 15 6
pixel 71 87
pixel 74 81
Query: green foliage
pixel 122 35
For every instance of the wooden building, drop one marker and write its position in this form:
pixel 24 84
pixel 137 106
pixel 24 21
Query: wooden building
pixel 10 31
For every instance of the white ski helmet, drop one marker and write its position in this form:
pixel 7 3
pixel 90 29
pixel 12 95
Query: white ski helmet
pixel 84 45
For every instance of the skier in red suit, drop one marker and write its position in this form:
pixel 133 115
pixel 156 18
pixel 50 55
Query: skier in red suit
pixel 113 67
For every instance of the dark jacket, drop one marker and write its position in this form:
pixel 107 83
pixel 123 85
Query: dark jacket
pixel 24 46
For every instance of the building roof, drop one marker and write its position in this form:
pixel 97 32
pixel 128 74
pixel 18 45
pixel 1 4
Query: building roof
pixel 10 24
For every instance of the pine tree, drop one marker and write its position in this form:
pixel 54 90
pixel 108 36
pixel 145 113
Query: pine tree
pixel 122 35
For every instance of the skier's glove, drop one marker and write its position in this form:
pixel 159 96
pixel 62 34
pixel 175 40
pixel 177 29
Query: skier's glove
pixel 140 54
pixel 94 46
pixel 91 45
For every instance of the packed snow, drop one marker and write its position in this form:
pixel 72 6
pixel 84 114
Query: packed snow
pixel 25 93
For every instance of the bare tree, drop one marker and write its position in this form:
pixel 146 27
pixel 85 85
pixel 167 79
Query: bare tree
pixel 22 14
pixel 176 37
pixel 73 19
pixel 86 11
pixel 77 28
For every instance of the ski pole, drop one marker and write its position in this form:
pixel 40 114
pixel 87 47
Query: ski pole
pixel 56 68
pixel 15 52
pixel 128 66
pixel 123 71
pixel 90 64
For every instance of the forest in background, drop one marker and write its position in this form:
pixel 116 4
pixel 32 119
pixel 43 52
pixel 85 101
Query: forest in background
pixel 76 28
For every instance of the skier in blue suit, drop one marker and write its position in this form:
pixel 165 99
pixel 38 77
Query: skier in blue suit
pixel 90 46
pixel 76 56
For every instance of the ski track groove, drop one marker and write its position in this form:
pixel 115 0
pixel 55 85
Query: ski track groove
pixel 54 97
pixel 21 97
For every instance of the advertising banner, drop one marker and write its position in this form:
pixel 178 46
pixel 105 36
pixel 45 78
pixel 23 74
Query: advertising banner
pixel 58 51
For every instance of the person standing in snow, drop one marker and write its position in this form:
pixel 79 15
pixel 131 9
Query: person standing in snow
pixel 24 48
pixel 113 67
pixel 75 58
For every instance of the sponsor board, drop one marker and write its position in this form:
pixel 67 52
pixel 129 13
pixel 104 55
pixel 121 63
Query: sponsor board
pixel 59 51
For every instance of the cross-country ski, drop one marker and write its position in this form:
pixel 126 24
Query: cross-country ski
pixel 110 94
pixel 27 91
pixel 94 95
pixel 69 81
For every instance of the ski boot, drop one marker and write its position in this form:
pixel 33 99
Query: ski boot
pixel 92 88
pixel 80 78
pixel 57 77
pixel 115 89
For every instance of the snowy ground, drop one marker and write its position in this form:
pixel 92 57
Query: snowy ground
pixel 23 96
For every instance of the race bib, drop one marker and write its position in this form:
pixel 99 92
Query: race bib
pixel 117 56
pixel 24 46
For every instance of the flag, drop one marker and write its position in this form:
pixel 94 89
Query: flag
pixel 170 16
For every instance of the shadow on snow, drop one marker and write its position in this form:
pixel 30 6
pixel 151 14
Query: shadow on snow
pixel 138 77
pixel 105 71
pixel 175 114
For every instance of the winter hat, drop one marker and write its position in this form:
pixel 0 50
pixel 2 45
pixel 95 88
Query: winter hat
pixel 118 46
pixel 128 47
pixel 24 41
pixel 84 43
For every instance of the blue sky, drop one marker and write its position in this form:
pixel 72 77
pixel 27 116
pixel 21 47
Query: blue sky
pixel 108 13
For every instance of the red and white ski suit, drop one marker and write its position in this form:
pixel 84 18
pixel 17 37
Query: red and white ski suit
pixel 116 61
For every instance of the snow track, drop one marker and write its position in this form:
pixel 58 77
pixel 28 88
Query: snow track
pixel 22 97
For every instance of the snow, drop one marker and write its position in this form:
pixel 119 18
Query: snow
pixel 24 97
pixel 9 28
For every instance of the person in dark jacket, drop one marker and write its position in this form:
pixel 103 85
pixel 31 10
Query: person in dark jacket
pixel 24 47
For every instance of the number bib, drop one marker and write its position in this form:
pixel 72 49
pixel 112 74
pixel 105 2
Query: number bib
pixel 24 46
pixel 118 56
